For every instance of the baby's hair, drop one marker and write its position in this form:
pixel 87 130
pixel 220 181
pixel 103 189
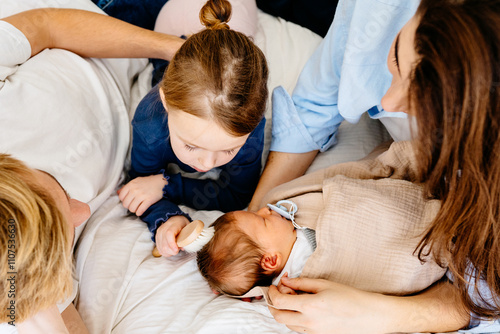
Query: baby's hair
pixel 218 74
pixel 230 261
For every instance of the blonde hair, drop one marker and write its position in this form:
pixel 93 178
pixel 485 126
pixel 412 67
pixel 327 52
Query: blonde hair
pixel 34 244
pixel 218 74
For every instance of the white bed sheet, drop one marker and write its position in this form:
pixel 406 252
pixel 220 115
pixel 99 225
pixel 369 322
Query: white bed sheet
pixel 124 289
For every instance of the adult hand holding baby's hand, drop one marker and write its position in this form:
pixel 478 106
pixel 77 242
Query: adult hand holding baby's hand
pixel 167 233
pixel 142 192
pixel 326 307
pixel 282 288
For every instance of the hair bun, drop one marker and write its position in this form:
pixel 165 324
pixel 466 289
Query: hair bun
pixel 215 14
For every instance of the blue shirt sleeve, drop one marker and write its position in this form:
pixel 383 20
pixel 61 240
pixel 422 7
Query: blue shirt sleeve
pixel 346 76
pixel 159 213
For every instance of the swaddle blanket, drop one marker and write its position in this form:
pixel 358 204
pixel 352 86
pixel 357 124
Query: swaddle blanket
pixel 369 217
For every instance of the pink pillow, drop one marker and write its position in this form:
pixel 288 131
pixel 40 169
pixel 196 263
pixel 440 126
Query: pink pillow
pixel 181 17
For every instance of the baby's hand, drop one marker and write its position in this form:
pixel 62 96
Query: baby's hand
pixel 251 299
pixel 140 193
pixel 167 233
pixel 285 289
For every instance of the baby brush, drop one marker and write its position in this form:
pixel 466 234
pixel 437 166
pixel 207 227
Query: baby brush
pixel 192 237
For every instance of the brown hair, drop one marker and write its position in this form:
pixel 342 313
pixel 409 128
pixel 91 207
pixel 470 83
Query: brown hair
pixel 455 93
pixel 34 243
pixel 219 74
pixel 230 261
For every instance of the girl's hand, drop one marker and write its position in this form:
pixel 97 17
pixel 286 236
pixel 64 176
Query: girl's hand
pixel 326 307
pixel 167 233
pixel 142 192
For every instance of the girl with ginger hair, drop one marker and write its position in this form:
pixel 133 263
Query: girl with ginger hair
pixel 207 117
pixel 445 64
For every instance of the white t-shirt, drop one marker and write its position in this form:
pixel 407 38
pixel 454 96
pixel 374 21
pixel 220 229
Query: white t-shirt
pixel 64 114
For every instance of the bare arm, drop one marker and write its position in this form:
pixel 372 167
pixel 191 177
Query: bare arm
pixel 328 305
pixel 46 321
pixel 50 321
pixel 280 168
pixel 437 309
pixel 91 35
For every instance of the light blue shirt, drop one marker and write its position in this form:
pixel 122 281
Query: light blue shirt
pixel 484 298
pixel 345 77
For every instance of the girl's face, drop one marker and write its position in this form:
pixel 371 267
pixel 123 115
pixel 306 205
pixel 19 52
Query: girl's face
pixel 401 59
pixel 199 143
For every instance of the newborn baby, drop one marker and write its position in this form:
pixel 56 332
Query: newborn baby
pixel 253 249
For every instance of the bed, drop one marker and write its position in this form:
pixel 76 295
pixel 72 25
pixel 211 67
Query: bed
pixel 124 289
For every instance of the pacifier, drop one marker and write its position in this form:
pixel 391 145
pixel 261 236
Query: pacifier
pixel 288 213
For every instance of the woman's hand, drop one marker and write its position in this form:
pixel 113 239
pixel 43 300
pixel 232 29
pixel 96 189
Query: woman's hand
pixel 167 233
pixel 283 289
pixel 325 307
pixel 329 307
pixel 142 192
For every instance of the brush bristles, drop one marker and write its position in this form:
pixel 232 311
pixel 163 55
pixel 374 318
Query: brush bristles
pixel 201 240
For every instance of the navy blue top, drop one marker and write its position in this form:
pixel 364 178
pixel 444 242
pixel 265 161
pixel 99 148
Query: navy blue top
pixel 152 152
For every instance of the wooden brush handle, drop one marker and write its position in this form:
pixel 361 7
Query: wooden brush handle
pixel 156 252
pixel 187 235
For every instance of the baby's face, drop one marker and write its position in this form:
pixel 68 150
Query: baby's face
pixel 268 229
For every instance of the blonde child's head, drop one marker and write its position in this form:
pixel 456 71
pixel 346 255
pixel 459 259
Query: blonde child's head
pixel 35 244
pixel 248 249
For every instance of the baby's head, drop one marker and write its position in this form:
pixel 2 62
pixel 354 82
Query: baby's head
pixel 248 249
pixel 218 76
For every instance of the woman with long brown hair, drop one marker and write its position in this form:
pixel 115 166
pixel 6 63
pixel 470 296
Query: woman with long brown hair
pixel 445 64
